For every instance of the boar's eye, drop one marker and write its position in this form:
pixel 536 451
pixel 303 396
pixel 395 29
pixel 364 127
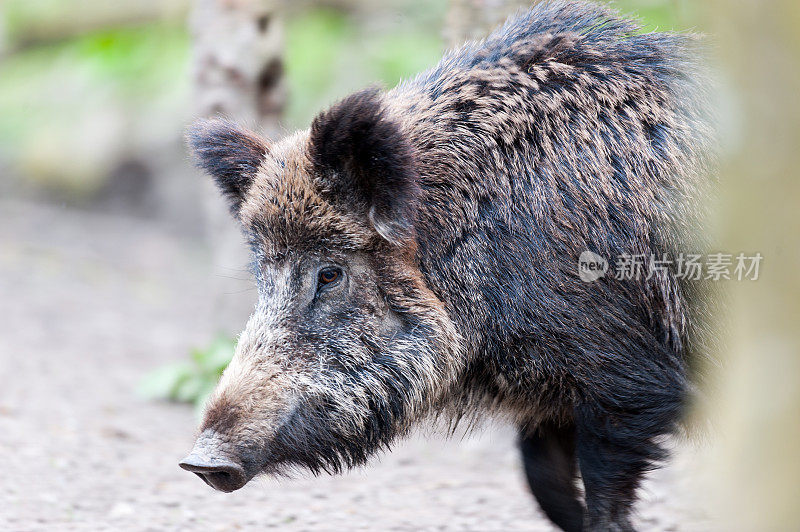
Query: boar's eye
pixel 328 276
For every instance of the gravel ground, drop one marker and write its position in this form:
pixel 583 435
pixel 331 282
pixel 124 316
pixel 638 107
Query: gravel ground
pixel 90 303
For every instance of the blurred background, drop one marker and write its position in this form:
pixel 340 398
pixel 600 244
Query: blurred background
pixel 123 281
pixel 95 95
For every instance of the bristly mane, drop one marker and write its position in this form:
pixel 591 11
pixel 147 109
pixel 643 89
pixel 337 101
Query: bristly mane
pixel 572 118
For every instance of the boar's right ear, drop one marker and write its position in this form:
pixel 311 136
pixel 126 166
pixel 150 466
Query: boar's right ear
pixel 230 154
pixel 364 160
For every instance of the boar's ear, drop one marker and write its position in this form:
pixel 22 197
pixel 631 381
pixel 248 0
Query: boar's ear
pixel 362 157
pixel 230 154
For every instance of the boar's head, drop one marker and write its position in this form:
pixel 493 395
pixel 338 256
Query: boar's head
pixel 347 346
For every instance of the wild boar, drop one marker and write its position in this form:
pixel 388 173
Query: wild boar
pixel 416 255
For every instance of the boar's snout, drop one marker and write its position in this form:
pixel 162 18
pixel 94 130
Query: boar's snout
pixel 209 461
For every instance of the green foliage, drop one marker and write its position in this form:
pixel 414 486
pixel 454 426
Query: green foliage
pixel 330 54
pixel 18 14
pixel 193 380
pixel 57 98
pixel 660 15
pixel 133 62
pixel 136 59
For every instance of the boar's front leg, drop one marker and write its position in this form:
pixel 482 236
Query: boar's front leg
pixel 548 456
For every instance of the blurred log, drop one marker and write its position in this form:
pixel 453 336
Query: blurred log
pixel 238 73
pixel 474 19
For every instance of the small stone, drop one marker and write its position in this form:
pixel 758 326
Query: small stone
pixel 120 509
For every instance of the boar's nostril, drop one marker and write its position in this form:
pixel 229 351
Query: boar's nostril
pixel 220 474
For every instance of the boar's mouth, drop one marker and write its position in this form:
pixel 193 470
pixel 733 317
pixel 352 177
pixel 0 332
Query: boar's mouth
pixel 317 434
pixel 223 477
pixel 310 439
pixel 220 469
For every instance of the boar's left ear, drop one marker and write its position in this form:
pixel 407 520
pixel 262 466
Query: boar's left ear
pixel 230 154
pixel 362 156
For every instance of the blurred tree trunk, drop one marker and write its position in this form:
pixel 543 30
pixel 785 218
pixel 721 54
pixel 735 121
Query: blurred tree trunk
pixel 4 45
pixel 474 19
pixel 238 73
pixel 757 459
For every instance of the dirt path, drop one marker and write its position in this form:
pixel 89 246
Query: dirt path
pixel 89 304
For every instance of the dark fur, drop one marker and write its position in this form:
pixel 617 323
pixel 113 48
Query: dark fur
pixel 230 154
pixel 565 131
pixel 471 192
pixel 548 456
pixel 365 158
